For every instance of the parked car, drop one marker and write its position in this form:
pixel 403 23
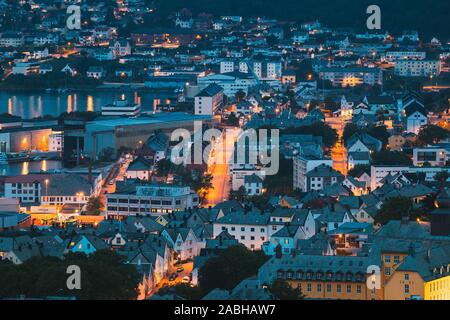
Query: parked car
pixel 180 269
pixel 185 280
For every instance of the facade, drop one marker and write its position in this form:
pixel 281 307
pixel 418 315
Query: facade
pixel 231 82
pixel 322 176
pixel 322 277
pixel 251 229
pixel 121 108
pixel 150 199
pixel 209 100
pixel 350 77
pixel 253 185
pixel 378 172
pixel 302 165
pixel 434 156
pixel 417 68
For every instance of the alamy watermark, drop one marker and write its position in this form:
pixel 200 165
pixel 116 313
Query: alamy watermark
pixel 231 146
pixel 374 20
pixel 374 280
pixel 73 281
pixel 73 21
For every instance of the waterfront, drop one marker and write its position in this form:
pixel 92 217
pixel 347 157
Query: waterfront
pixel 24 168
pixel 30 105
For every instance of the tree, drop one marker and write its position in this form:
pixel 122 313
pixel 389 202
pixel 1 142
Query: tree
pixel 104 276
pixel 430 134
pixel 239 95
pixel 380 133
pixel 94 205
pixel 282 290
pixel 230 267
pixel 281 182
pixel 441 177
pixel 349 130
pixel 395 209
pixel 238 195
pixel 232 120
pixel 385 157
pixel 318 129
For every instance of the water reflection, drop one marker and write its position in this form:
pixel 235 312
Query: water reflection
pixel 30 106
pixel 29 167
pixel 25 168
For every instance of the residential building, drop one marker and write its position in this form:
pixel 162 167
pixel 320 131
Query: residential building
pixel 131 198
pixel 209 100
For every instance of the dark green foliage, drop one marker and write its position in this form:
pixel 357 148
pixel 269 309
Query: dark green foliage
pixel 104 275
pixel 229 268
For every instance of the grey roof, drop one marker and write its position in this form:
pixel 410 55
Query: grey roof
pixel 210 91
pixel 397 229
pixel 139 164
pixel 351 202
pixel 359 156
pixel 58 185
pixel 252 179
pixel 323 171
pixel 241 218
pixel 288 231
pixel 314 267
pixel 369 141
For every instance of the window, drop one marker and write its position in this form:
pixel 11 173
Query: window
pixel 406 276
pixel 308 287
pixel 242 237
pixel 328 287
pixel 396 259
pixel 319 287
pixel 339 288
pixel 242 228
pixel 349 288
pixel 406 288
pixel 387 259
pixel 387 271
pixel 358 289
pixel 252 229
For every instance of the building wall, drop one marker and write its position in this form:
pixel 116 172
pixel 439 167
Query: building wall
pixel 330 290
pixel 244 234
pixel 395 288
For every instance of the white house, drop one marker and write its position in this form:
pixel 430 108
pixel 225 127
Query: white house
pixel 209 99
pixel 253 185
pixel 416 117
pixel 250 229
pixel 184 242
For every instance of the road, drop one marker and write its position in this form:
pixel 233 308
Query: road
pixel 218 167
pixel 165 282
pixel 338 151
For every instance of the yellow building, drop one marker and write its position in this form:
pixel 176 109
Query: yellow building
pixel 324 277
pixel 422 274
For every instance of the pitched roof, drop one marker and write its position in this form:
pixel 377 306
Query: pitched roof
pixel 210 91
pixel 323 171
pixel 241 218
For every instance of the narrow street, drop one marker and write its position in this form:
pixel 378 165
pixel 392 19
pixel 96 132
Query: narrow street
pixel 187 270
pixel 218 167
pixel 338 151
